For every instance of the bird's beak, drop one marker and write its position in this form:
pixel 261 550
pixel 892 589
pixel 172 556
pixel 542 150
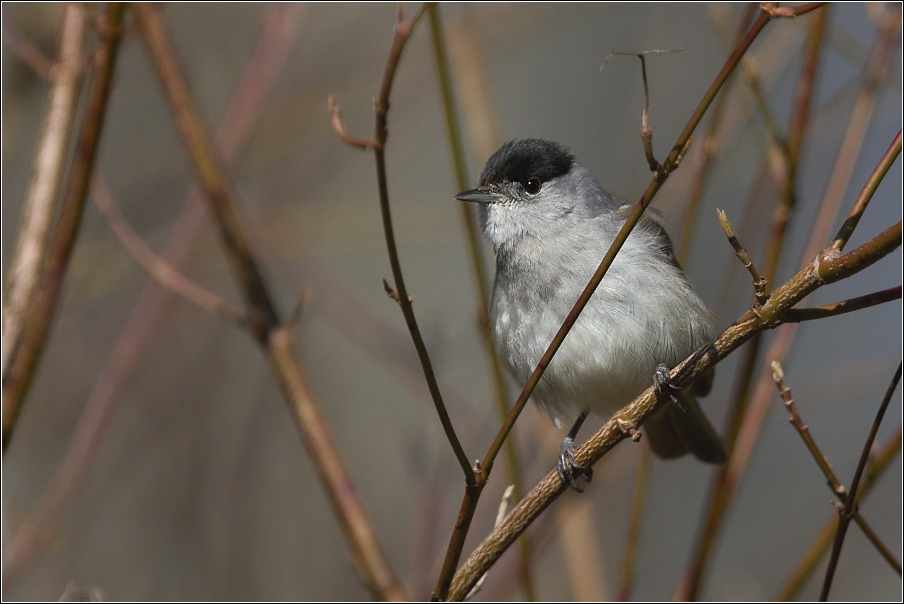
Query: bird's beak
pixel 479 195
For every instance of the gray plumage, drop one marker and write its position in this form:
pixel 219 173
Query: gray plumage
pixel 551 224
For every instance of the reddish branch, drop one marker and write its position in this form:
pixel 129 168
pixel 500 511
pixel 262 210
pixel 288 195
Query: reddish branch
pixel 263 322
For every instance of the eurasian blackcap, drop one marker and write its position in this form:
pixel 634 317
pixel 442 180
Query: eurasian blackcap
pixel 551 224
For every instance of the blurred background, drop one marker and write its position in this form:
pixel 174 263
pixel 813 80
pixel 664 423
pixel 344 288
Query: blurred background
pixel 200 487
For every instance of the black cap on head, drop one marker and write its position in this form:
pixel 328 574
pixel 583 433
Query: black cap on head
pixel 520 160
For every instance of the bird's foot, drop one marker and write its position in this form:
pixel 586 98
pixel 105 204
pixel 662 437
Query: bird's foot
pixel 662 383
pixel 569 469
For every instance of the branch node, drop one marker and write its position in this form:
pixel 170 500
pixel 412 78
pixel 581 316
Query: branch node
pixel 759 283
pixel 629 429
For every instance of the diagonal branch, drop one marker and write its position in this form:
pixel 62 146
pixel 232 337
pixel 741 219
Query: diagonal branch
pixel 822 461
pixel 797 315
pixel 850 505
pixel 264 326
pixel 256 85
pixel 17 378
pixel 47 173
pixel 161 270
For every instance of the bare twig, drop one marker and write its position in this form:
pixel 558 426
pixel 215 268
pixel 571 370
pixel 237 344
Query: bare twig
pixel 846 514
pixel 478 270
pixel 796 315
pixel 39 206
pixel 866 194
pixel 403 30
pixel 759 283
pixel 646 132
pixel 339 127
pixel 27 51
pixel 824 465
pixel 878 464
pixel 749 421
pixel 263 324
pixel 849 151
pixel 790 11
pixel 707 152
pixel 500 516
pixel 157 267
pixel 245 107
pixel 43 307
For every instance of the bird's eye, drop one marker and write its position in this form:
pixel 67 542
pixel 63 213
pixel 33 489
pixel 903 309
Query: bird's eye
pixel 532 185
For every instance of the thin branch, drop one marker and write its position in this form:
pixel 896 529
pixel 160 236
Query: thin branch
pixel 261 312
pixel 39 206
pixel 43 307
pixel 255 87
pixel 500 516
pixel 783 298
pixel 626 568
pixel 878 464
pixel 158 268
pixel 750 421
pixel 850 506
pixel 790 11
pixel 403 30
pixel 371 562
pixel 824 465
pixel 849 150
pixel 481 280
pixel 759 283
pixel 866 194
pixel 797 315
pixel 646 132
pixel 707 152
pixel 339 127
pixel 27 51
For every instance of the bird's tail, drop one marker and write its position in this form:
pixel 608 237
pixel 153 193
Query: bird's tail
pixel 675 431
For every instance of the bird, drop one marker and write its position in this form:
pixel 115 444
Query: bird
pixel 550 225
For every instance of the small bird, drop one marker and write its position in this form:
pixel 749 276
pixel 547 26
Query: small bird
pixel 550 224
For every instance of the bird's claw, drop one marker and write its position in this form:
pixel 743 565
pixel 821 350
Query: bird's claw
pixel 569 469
pixel 662 383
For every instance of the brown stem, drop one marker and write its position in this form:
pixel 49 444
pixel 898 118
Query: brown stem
pixel 824 465
pixel 847 513
pixel 478 270
pixel 39 206
pixel 263 324
pixel 796 315
pixel 750 420
pixel 257 83
pixel 759 283
pixel 790 11
pixel 866 194
pixel 161 270
pixel 37 326
pixel 403 30
pixel 262 315
pixel 27 51
pixel 823 541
